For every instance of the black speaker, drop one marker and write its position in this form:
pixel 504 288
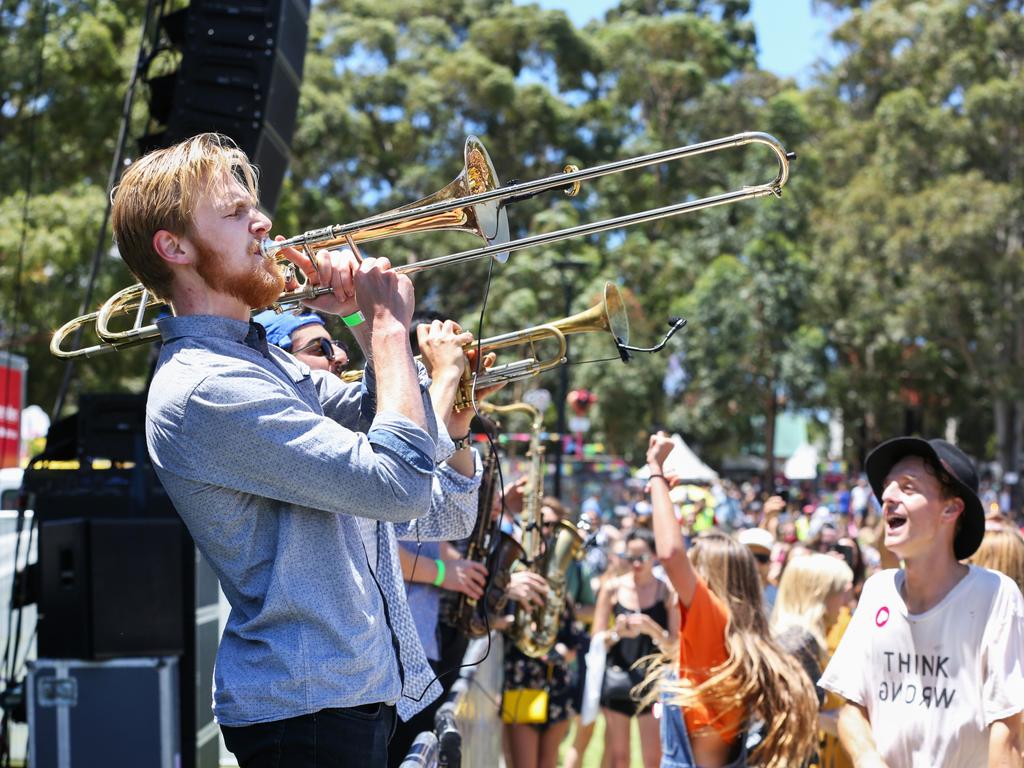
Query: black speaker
pixel 111 588
pixel 106 426
pixel 240 75
pixel 117 574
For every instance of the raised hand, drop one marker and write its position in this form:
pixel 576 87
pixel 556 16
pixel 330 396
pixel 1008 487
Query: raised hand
pixel 658 448
pixel 334 269
pixel 384 296
pixel 442 346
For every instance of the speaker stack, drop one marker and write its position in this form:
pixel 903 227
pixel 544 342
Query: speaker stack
pixel 120 587
pixel 240 74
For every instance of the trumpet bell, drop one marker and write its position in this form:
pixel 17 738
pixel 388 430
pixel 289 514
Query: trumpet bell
pixel 608 315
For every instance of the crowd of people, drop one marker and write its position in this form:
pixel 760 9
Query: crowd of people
pixel 878 624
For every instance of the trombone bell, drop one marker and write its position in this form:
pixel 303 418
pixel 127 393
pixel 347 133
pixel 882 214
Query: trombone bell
pixel 487 219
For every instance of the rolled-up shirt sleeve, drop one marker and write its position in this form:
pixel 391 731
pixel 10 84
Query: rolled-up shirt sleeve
pixel 453 506
pixel 285 450
pixel 355 405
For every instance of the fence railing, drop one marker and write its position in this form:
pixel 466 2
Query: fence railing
pixel 467 727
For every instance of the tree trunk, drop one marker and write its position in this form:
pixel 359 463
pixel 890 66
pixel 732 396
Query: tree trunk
pixel 769 438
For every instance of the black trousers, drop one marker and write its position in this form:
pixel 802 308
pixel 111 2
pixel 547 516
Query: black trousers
pixel 331 738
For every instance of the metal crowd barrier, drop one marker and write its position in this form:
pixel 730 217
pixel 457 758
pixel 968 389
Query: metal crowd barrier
pixel 467 727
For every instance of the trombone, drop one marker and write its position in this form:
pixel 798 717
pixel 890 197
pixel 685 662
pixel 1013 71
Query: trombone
pixel 489 221
pixel 474 202
pixel 607 316
pixel 569 181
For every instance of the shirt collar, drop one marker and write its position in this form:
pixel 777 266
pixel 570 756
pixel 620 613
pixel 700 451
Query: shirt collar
pixel 204 326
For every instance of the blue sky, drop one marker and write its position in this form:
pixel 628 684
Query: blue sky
pixel 790 36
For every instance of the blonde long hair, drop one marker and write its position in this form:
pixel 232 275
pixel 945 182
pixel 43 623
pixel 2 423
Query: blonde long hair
pixel 806 583
pixel 758 677
pixel 1002 550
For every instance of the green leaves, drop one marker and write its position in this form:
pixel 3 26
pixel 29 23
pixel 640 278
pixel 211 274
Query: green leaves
pixel 919 237
pixel 888 271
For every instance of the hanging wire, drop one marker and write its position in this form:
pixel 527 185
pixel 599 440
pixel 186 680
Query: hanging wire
pixel 117 166
pixel 9 663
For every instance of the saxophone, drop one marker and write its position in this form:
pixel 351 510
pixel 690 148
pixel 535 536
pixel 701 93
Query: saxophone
pixel 489 545
pixel 537 629
pixel 534 631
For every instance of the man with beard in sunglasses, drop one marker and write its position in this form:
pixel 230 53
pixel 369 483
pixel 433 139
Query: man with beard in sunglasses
pixel 278 471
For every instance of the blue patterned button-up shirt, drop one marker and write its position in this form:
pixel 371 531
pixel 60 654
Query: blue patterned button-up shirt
pixel 273 494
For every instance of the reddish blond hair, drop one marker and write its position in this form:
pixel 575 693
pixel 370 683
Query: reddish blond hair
pixel 160 191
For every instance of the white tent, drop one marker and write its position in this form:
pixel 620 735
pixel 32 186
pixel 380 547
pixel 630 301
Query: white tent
pixel 685 464
pixel 803 464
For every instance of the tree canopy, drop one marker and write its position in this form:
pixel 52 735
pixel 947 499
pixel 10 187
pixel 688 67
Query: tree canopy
pixel 883 287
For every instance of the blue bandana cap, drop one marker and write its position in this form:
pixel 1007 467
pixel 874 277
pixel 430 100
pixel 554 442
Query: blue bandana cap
pixel 280 327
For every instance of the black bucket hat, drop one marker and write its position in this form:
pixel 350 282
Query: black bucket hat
pixel 948 458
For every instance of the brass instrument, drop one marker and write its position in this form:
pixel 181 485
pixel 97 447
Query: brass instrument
pixel 537 630
pixel 489 545
pixel 532 538
pixel 474 202
pixel 608 315
pixel 488 220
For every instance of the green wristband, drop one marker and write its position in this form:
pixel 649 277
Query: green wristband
pixel 439 579
pixel 356 318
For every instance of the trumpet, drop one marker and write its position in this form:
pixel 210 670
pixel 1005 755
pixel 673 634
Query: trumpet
pixel 608 316
pixel 474 202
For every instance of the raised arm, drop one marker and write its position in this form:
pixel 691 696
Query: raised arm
pixel 668 539
pixel 386 300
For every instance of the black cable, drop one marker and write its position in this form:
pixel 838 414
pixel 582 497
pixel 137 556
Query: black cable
pixel 476 373
pixel 5 723
pixel 141 63
pixel 12 632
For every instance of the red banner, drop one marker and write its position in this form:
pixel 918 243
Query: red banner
pixel 12 392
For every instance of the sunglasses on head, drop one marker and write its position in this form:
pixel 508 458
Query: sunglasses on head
pixel 323 347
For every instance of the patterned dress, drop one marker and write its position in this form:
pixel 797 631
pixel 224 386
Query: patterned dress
pixel 552 673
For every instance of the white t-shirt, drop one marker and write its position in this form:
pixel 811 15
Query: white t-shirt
pixel 933 683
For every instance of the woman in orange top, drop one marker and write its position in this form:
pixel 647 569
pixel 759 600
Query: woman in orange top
pixel 731 673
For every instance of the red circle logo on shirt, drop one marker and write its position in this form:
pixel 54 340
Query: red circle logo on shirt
pixel 882 617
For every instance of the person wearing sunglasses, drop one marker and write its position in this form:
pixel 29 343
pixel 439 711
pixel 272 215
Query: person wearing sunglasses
pixel 322 347
pixel 305 336
pixel 643 613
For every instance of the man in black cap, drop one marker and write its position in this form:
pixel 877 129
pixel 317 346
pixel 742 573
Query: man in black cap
pixel 930 665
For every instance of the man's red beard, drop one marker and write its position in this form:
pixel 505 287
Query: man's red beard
pixel 258 287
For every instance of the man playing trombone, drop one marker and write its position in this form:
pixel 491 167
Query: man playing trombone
pixel 272 467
